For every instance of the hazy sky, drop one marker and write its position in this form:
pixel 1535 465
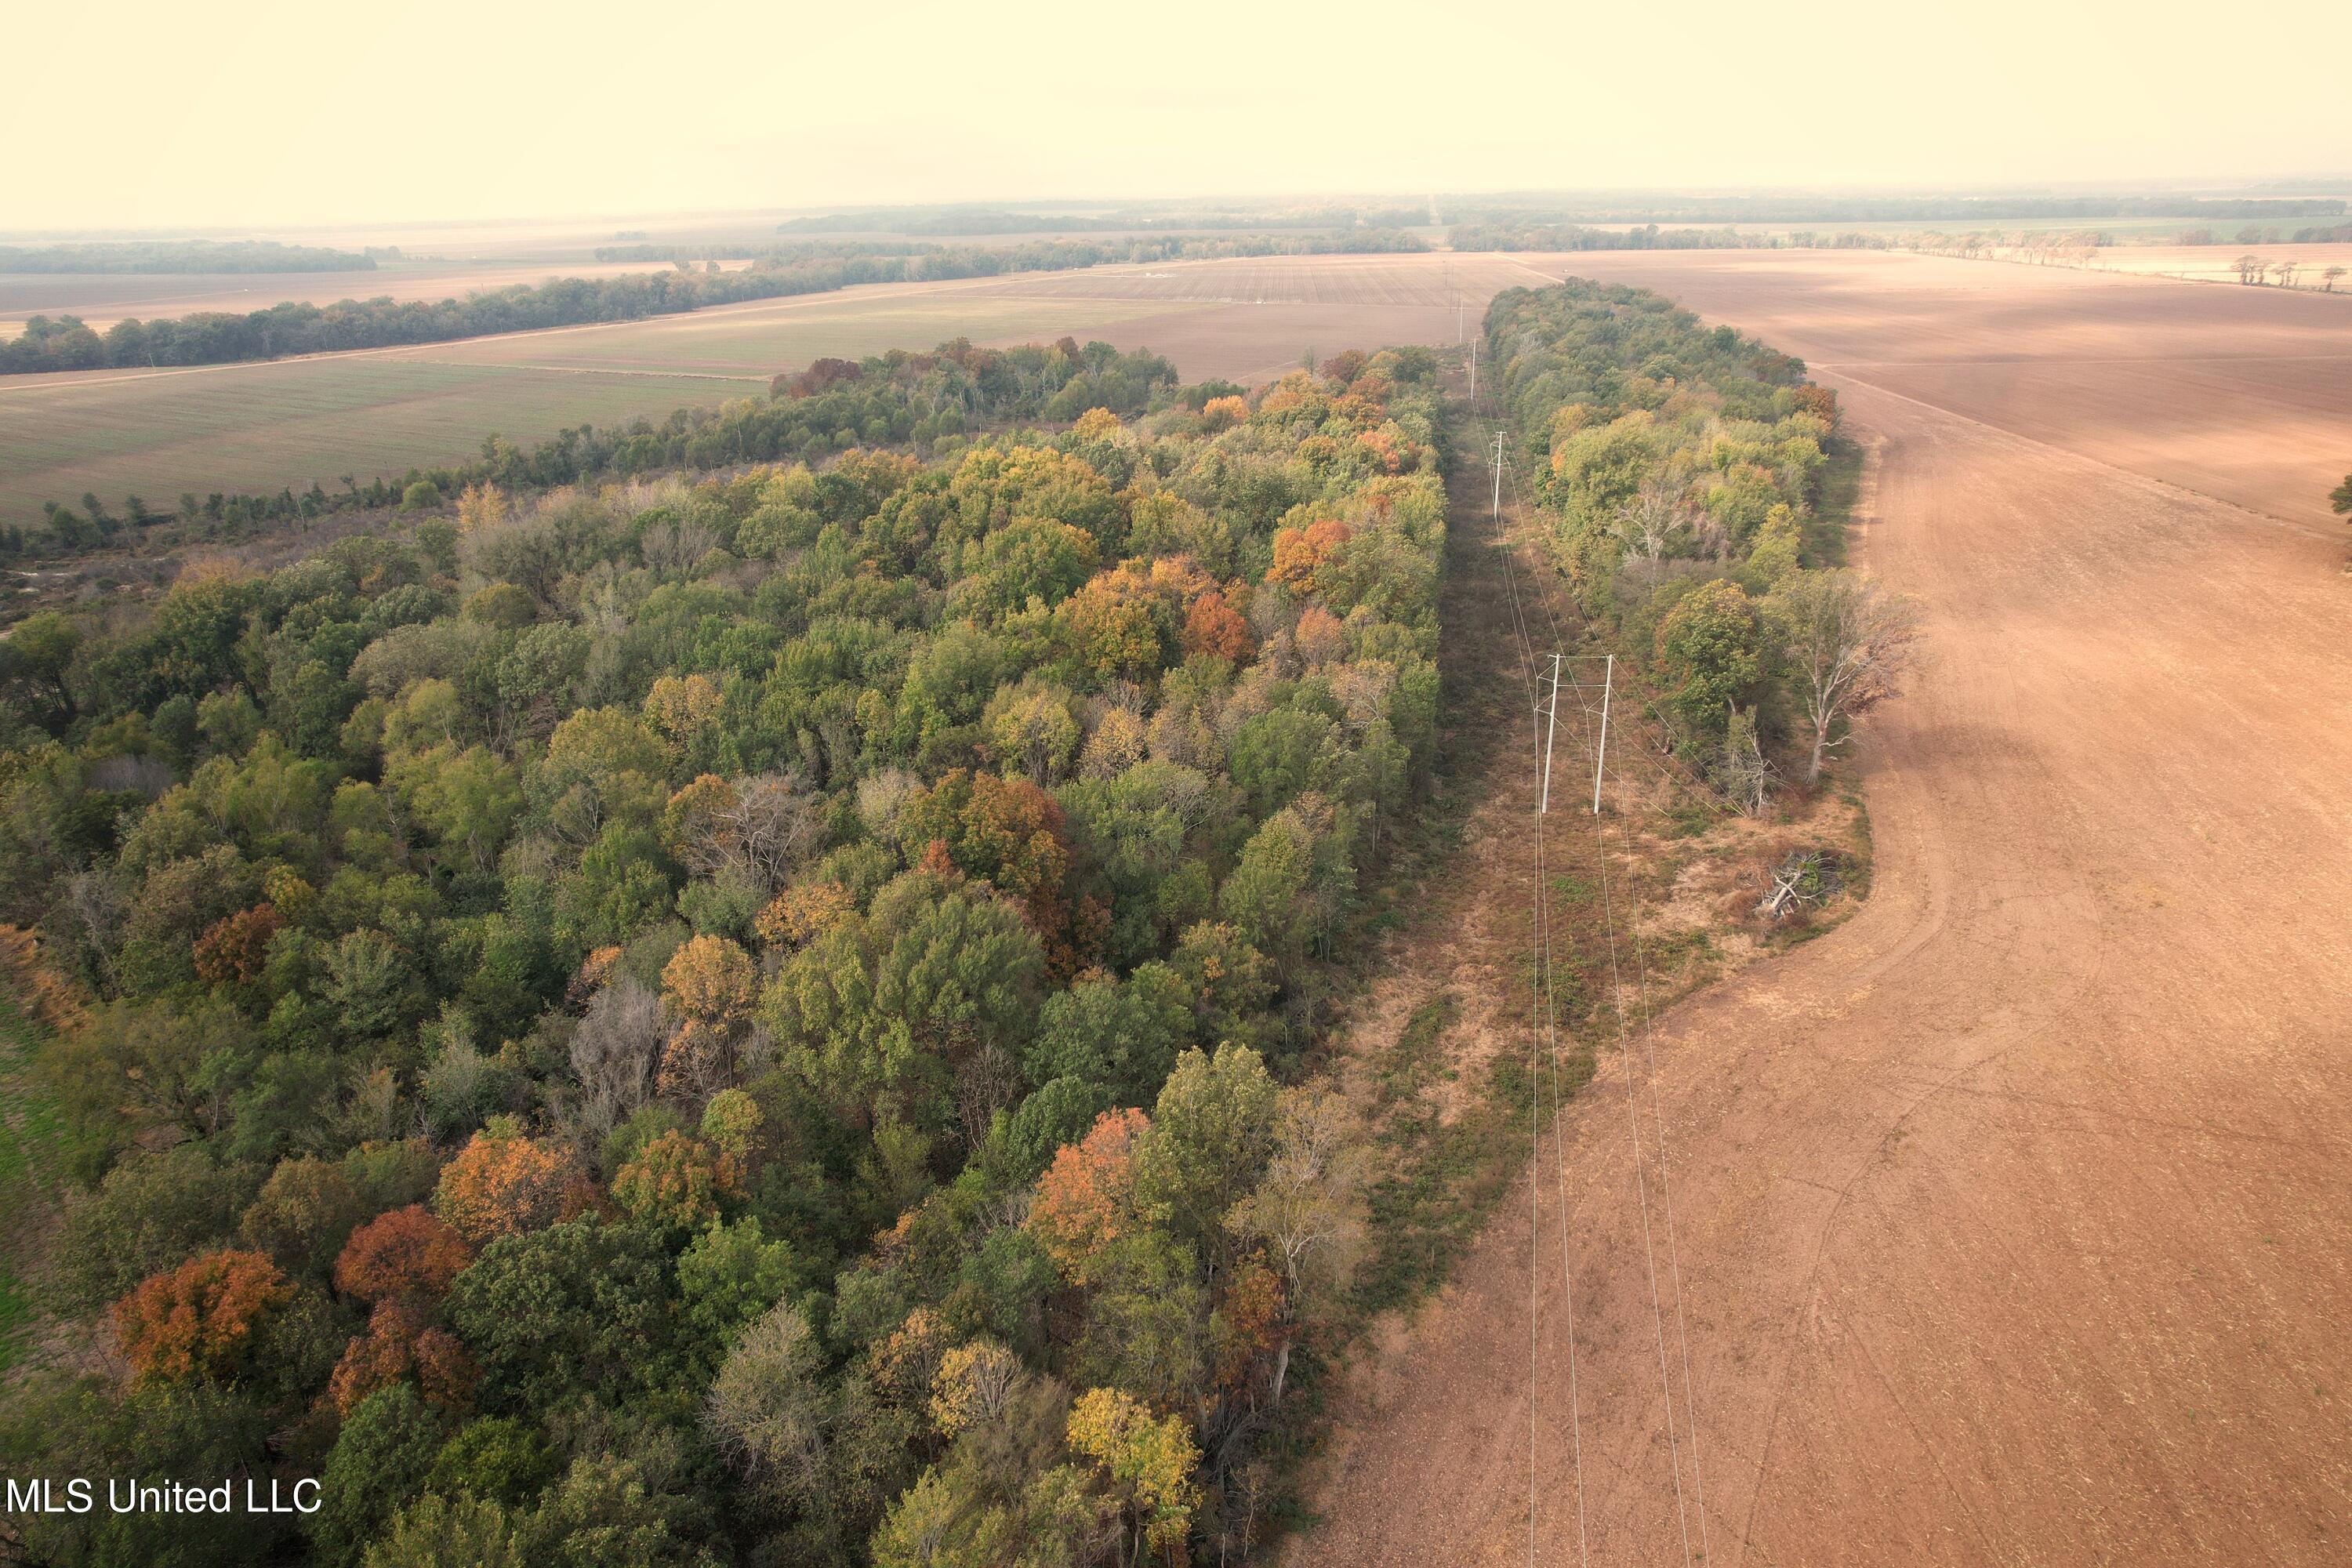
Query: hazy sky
pixel 158 112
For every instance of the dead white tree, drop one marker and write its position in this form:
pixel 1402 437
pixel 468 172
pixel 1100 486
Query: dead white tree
pixel 1796 882
pixel 775 824
pixel 1846 642
pixel 1309 1209
pixel 1649 524
pixel 1747 776
pixel 613 1053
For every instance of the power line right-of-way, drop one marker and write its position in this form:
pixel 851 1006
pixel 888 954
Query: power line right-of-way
pixel 1544 1043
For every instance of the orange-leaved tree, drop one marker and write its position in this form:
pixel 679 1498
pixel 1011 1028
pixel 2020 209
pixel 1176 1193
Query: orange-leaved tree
pixel 233 950
pixel 1007 830
pixel 405 1253
pixel 502 1184
pixel 1085 1199
pixel 1302 554
pixel 199 1320
pixel 1214 628
pixel 403 1342
pixel 711 978
pixel 709 987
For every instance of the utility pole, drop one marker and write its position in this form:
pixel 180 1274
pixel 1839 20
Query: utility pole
pixel 1551 727
pixel 1608 683
pixel 1498 477
pixel 1473 372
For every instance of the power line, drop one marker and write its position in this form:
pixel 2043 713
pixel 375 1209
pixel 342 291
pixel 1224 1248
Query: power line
pixel 1542 995
pixel 1633 1116
pixel 1667 1190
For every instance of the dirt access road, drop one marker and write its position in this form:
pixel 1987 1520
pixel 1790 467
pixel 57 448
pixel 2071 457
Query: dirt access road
pixel 2013 1218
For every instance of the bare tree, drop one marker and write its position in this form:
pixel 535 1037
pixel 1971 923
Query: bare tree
pixel 1308 1209
pixel 2285 272
pixel 768 1410
pixel 775 824
pixel 615 1050
pixel 1747 776
pixel 1649 524
pixel 2327 279
pixel 1847 642
pixel 675 546
pixel 2249 269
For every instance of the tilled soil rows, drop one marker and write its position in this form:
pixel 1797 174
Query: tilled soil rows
pixel 2013 1218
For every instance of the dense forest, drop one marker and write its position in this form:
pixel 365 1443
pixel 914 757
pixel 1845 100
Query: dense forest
pixel 216 337
pixel 1680 468
pixel 743 1019
pixel 182 255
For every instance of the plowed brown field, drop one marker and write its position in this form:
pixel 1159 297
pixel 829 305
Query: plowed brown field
pixel 2013 1218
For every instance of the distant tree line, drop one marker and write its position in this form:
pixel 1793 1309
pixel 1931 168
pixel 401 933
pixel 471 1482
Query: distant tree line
pixel 803 251
pixel 182 255
pixel 67 342
pixel 1563 236
pixel 896 399
pixel 960 220
pixel 2249 234
pixel 1069 253
pixel 1642 207
pixel 1569 236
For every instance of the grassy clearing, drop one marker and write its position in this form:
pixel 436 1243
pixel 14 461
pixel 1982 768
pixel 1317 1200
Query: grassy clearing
pixel 1825 530
pixel 1438 1179
pixel 262 426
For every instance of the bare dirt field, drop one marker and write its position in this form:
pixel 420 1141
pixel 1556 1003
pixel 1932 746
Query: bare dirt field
pixel 2011 1221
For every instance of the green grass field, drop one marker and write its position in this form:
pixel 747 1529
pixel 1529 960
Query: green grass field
pixel 259 426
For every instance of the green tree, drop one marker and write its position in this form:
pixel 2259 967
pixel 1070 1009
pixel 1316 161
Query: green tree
pixel 1709 646
pixel 584 1306
pixel 1212 1130
pixel 442 1529
pixel 729 1276
pixel 938 980
pixel 380 1460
